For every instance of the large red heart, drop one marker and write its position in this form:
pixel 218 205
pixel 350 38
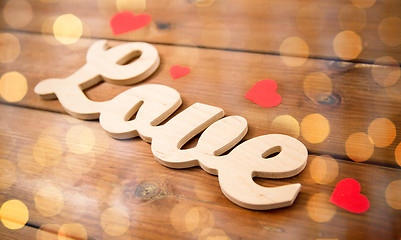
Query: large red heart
pixel 177 71
pixel 347 195
pixel 264 93
pixel 123 22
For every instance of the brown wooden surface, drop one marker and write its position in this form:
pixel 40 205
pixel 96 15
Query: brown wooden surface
pixel 163 203
pixel 259 26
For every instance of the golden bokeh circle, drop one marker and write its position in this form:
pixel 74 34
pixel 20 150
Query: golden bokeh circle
pixel 359 147
pixel 47 232
pixel 390 31
pixel 285 124
pixel 311 19
pixel 213 234
pixel 8 173
pixel 363 3
pixel 323 169
pixel 382 131
pixel 9 47
pixel 47 151
pixel 14 214
pixel 26 161
pixel 13 86
pixel 315 128
pixel 347 45
pixel 393 194
pixel 197 219
pixel 352 18
pixel 80 139
pixel 72 231
pixel 67 29
pixel 115 221
pixel 317 85
pixel 49 200
pixel 397 154
pixel 17 13
pixel 320 209
pixel 294 51
pixel 386 71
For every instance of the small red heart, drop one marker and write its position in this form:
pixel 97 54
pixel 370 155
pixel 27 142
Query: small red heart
pixel 177 71
pixel 123 22
pixel 347 195
pixel 264 93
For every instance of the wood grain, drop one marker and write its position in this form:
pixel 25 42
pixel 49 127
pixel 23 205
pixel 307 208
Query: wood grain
pixel 78 183
pixel 258 26
pixel 354 101
pixel 163 202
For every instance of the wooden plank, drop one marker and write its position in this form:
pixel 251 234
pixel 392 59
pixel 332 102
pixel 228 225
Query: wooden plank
pixel 95 187
pixel 348 98
pixel 258 26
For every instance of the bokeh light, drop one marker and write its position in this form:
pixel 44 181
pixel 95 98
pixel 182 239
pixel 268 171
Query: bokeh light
pixel 115 221
pixel 294 51
pixel 347 45
pixel 390 31
pixel 14 214
pixel 186 218
pixel 49 200
pixel 382 131
pixel 198 218
pixel 285 124
pixel 48 232
pixel 135 6
pixel 311 19
pixel 72 231
pixel 359 147
pixel 393 194
pixel 213 234
pixel 317 85
pixel 26 162
pixel 352 18
pixel 363 3
pixel 320 209
pixel 323 169
pixel 9 47
pixel 47 150
pixel 80 139
pixel 397 154
pixel 67 29
pixel 13 86
pixel 386 71
pixel 216 35
pixel 17 13
pixel 315 128
pixel 8 174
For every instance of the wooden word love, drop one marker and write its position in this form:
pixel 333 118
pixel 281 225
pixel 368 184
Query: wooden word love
pixel 153 103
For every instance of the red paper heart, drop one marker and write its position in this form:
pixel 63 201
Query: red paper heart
pixel 123 22
pixel 177 71
pixel 264 93
pixel 347 195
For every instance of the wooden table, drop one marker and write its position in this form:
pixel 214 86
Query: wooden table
pixel 337 66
